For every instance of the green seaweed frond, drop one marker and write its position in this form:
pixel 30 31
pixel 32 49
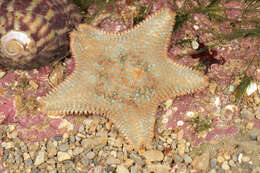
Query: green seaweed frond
pixel 241 88
pixel 200 124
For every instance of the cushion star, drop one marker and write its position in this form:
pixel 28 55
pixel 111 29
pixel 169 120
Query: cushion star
pixel 124 76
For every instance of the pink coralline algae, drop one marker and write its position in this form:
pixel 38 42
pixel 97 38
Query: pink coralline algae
pixel 18 103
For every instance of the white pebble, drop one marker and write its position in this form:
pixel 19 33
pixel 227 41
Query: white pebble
pixel 251 88
pixel 180 123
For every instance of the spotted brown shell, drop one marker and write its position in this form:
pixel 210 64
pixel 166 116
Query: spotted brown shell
pixel 35 32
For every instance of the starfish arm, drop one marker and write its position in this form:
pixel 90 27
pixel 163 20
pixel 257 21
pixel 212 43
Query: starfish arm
pixel 136 124
pixel 150 37
pixel 177 80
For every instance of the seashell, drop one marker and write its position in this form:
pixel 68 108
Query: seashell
pixel 35 32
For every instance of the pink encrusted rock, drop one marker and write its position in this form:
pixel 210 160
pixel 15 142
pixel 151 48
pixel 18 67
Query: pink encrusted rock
pixel 18 103
pixel 234 9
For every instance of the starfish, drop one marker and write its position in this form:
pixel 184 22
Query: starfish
pixel 124 76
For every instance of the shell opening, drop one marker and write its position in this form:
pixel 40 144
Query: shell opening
pixel 15 43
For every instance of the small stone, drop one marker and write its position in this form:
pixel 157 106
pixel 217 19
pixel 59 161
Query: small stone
pixel 187 158
pixel 177 158
pixel 221 171
pixel 252 87
pixel 194 44
pixel 77 151
pixel 134 169
pixel 181 148
pixel 2 74
pixel 213 171
pixel 153 155
pixel 81 136
pixel 137 159
pixel 91 155
pixel 201 162
pixel 227 156
pixel 28 162
pixel 39 158
pixel 121 169
pixel 232 163
pixel 111 160
pixel 220 159
pixel 128 163
pixel 225 166
pixel 94 142
pixel 26 156
pixel 158 168
pixel 63 147
pixel 247 114
pixel 63 156
pixel 245 159
pixel 52 148
pixel 58 138
pixel 8 145
pixel 213 163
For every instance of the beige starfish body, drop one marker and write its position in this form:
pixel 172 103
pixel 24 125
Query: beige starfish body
pixel 124 76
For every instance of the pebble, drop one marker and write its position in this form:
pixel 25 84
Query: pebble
pixel 158 168
pixel 137 159
pixel 111 160
pixel 187 158
pixel 201 162
pixel 181 148
pixel 225 166
pixel 63 156
pixel 2 74
pixel 153 155
pixel 121 169
pixel 52 148
pixel 133 169
pixel 91 155
pixel 220 159
pixel 213 163
pixel 245 159
pixel 94 142
pixel 39 158
pixel 177 158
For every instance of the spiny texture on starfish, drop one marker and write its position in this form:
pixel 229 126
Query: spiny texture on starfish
pixel 124 76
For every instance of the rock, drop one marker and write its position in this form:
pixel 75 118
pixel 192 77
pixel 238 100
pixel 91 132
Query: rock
pixel 90 155
pixel 63 147
pixel 121 169
pixel 77 151
pixel 158 168
pixel 213 163
pixel 94 142
pixel 153 155
pixel 52 148
pixel 137 159
pixel 181 148
pixel 225 166
pixel 7 145
pixel 187 158
pixel 111 160
pixel 177 158
pixel 39 158
pixel 220 159
pixel 245 158
pixel 201 162
pixel 134 169
pixel 63 156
